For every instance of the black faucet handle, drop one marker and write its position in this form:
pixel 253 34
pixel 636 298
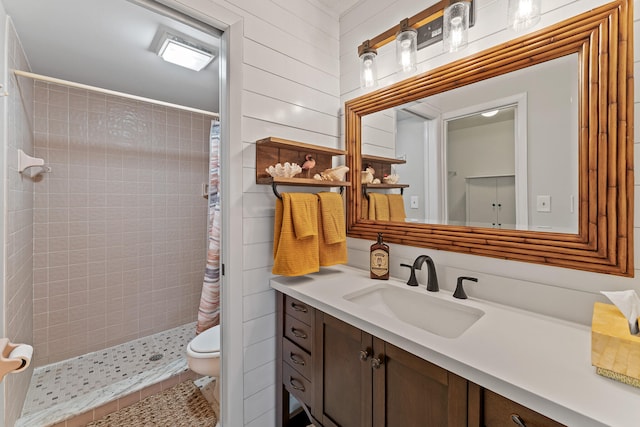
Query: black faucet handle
pixel 459 292
pixel 412 278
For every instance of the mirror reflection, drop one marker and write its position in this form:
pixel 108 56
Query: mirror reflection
pixel 500 153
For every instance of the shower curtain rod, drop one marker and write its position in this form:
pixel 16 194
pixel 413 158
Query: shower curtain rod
pixel 111 92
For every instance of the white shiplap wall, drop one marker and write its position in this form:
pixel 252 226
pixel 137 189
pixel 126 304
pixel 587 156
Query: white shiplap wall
pixel 287 82
pixel 555 291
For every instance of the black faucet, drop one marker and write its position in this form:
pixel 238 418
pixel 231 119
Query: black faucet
pixel 432 280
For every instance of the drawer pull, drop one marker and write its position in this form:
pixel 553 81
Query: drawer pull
pixel 299 307
pixel 517 420
pixel 296 384
pixel 298 333
pixel 296 359
pixel 365 354
pixel 376 362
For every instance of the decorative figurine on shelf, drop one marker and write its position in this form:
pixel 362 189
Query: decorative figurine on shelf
pixel 309 163
pixel 366 176
pixel 391 179
pixel 288 170
pixel 334 174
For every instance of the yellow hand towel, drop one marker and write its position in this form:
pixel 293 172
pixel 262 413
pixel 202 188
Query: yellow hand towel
pixel 332 233
pixel 332 214
pixel 295 240
pixel 365 208
pixel 378 207
pixel 396 207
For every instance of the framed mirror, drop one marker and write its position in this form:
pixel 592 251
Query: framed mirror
pixel 523 151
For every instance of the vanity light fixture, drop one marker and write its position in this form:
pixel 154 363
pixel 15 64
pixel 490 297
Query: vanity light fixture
pixel 416 32
pixel 368 68
pixel 522 14
pixel 456 26
pixel 406 47
pixel 185 53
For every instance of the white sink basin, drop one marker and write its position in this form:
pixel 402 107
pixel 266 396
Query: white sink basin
pixel 445 318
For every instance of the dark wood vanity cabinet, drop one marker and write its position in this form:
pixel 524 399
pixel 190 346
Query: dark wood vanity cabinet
pixel 369 382
pixel 346 377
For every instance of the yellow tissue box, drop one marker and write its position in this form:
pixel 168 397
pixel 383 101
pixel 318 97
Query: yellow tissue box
pixel 614 351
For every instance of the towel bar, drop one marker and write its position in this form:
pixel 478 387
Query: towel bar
pixel 366 195
pixel 274 187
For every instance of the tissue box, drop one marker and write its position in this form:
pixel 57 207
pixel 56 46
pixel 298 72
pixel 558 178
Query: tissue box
pixel 614 351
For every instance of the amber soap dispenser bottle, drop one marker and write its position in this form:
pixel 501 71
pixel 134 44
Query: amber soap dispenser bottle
pixel 379 260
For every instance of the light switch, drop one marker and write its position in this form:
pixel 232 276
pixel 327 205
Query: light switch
pixel 414 202
pixel 543 204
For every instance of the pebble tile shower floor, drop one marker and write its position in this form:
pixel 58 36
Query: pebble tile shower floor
pixel 75 385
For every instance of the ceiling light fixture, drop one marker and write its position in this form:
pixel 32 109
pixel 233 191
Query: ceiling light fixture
pixel 490 113
pixel 184 52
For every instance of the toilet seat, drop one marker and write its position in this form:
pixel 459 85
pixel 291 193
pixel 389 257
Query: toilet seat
pixel 207 342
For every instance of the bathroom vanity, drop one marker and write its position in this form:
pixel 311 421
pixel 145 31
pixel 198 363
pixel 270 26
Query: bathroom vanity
pixel 357 353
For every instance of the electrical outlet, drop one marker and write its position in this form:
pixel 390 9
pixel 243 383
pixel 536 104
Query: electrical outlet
pixel 414 202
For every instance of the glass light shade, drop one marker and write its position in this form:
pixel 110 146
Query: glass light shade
pixel 368 70
pixel 406 50
pixel 456 26
pixel 523 14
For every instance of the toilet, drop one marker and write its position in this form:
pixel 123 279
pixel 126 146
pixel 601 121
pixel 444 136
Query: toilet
pixel 203 356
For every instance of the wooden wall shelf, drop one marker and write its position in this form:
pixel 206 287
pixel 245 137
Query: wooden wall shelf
pixel 272 150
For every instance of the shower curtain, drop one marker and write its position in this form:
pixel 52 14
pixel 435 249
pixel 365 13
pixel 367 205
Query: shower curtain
pixel 209 310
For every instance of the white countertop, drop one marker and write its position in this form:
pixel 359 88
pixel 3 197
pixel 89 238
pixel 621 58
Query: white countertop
pixel 540 362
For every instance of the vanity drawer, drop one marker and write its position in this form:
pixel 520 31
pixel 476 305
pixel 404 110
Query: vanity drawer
pixel 297 358
pixel 298 332
pixel 500 411
pixel 296 384
pixel 298 309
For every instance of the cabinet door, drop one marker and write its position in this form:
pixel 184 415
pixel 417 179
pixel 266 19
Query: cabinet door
pixel 481 201
pixel 506 198
pixel 411 392
pixel 346 378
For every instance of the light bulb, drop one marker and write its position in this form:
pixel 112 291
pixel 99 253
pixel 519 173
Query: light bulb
pixel 523 14
pixel 368 73
pixel 406 49
pixel 455 26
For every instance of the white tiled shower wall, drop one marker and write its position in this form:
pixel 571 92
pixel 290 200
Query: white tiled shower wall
pixel 119 223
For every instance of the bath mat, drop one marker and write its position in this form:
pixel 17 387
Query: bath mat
pixel 182 405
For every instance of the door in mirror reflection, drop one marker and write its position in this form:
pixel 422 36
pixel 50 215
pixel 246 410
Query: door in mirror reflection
pixel 480 172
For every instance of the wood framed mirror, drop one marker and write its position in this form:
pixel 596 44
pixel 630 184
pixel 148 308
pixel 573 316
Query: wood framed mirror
pixel 601 39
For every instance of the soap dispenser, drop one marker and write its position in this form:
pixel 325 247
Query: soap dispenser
pixel 379 260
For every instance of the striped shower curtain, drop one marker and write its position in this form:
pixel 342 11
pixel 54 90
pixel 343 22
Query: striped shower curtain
pixel 209 310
